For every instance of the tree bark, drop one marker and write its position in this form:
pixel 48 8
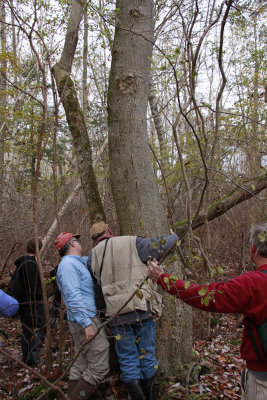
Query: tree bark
pixel 75 117
pixel 156 115
pixel 134 188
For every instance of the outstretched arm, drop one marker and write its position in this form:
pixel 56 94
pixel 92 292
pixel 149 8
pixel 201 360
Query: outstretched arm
pixel 233 296
pixel 8 305
pixel 149 248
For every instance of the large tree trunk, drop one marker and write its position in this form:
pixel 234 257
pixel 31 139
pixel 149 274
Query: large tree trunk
pixel 133 184
pixel 75 117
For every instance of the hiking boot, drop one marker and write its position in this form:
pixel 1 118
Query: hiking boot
pixel 135 390
pixel 147 386
pixel 71 385
pixel 82 390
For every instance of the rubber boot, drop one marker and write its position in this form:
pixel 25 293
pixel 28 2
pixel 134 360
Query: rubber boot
pixel 33 359
pixel 82 390
pixel 24 349
pixel 135 390
pixel 148 386
pixel 71 385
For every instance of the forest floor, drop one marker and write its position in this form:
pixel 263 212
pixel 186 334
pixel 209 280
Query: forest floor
pixel 213 374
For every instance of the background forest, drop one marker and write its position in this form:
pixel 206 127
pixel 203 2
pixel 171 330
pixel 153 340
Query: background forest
pixel 147 114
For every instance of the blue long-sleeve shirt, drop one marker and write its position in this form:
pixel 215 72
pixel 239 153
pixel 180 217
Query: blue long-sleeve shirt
pixel 8 305
pixel 77 288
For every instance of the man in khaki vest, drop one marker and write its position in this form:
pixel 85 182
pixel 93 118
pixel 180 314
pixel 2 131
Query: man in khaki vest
pixel 119 264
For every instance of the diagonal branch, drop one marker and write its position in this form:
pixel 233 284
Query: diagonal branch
pixel 230 200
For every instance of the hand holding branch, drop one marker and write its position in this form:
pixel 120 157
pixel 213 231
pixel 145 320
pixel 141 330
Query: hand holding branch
pixel 154 270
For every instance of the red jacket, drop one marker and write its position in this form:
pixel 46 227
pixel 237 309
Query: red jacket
pixel 246 294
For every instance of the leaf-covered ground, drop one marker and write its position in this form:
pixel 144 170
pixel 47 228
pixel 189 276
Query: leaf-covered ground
pixel 213 374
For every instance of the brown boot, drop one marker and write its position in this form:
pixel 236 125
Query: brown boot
pixel 71 385
pixel 82 390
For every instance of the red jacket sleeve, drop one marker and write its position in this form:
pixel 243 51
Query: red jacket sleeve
pixel 233 296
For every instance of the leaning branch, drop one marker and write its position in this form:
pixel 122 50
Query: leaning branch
pixel 230 200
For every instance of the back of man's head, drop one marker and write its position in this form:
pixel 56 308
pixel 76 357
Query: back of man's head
pixel 259 239
pixel 62 242
pixel 31 247
pixel 99 231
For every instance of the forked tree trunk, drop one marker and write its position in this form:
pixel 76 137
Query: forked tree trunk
pixel 134 188
pixel 75 116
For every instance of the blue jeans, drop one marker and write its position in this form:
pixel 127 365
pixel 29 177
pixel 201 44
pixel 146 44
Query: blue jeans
pixel 135 347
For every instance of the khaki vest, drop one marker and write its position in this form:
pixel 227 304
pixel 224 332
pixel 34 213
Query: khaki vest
pixel 122 271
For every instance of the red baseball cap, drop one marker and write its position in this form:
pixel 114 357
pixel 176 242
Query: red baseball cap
pixel 63 239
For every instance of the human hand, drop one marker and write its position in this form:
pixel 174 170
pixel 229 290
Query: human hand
pixel 89 332
pixel 171 231
pixel 154 270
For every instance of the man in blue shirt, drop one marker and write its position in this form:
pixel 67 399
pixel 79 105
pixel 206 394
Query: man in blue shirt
pixel 77 288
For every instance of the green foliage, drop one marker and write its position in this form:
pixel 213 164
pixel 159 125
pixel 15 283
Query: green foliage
pixel 187 285
pixel 235 342
pixel 172 259
pixel 203 291
pixel 139 294
pixel 206 298
pixel 217 269
pixel 173 278
pixel 262 236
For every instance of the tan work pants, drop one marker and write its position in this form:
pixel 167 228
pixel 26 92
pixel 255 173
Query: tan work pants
pixel 93 362
pixel 252 387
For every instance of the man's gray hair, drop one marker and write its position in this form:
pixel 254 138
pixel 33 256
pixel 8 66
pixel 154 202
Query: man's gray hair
pixel 62 252
pixel 259 239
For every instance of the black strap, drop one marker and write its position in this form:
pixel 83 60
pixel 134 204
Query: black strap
pixel 252 338
pixel 250 331
pixel 101 266
pixel 102 262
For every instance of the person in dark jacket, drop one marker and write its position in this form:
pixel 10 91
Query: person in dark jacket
pixel 56 304
pixel 119 264
pixel 246 294
pixel 31 311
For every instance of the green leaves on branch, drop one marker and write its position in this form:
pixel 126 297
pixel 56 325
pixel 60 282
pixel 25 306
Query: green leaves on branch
pixel 187 285
pixel 139 294
pixel 217 269
pixel 173 278
pixel 262 236
pixel 203 291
